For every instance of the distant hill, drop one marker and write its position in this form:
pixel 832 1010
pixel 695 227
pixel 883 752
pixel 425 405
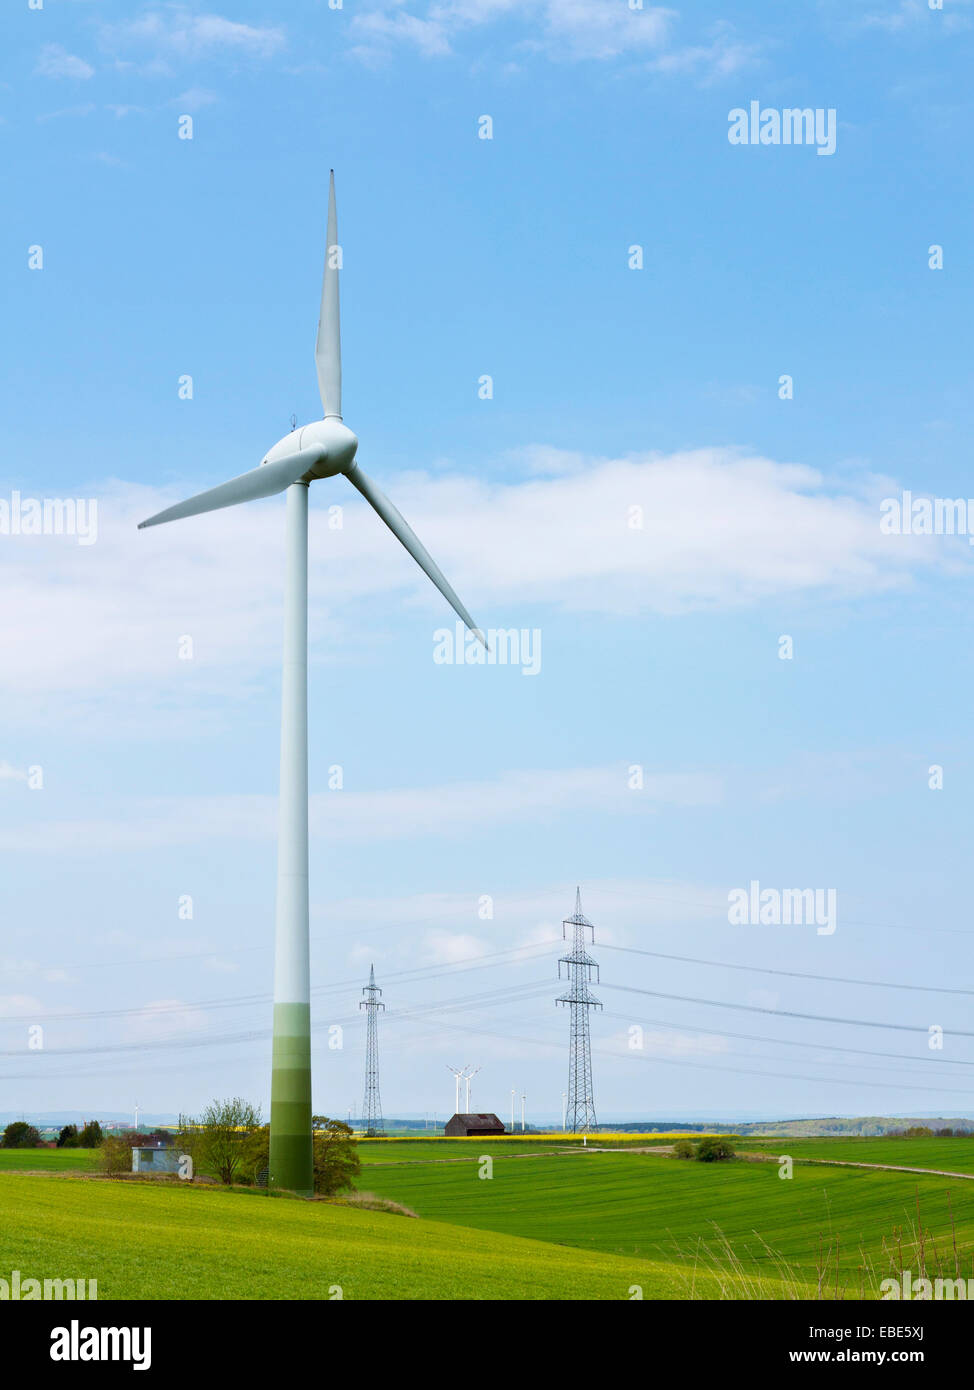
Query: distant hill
pixel 823 1125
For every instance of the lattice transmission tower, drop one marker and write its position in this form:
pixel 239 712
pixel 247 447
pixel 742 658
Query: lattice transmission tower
pixel 372 1105
pixel 580 969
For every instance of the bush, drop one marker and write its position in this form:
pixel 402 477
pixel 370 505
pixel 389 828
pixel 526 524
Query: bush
pixel 115 1155
pixel 91 1136
pixel 68 1138
pixel 21 1135
pixel 714 1147
pixel 335 1156
pixel 336 1160
pixel 683 1148
pixel 222 1140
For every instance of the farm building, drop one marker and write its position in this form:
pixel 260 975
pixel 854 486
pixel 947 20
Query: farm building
pixel 155 1158
pixel 463 1125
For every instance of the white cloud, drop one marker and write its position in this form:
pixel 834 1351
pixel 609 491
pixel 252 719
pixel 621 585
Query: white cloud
pixel 568 30
pixel 82 109
pixel 55 61
pixel 720 529
pixel 20 1006
pixel 194 99
pixel 360 817
pixel 602 29
pixel 910 15
pixel 598 29
pixel 445 948
pixel 177 31
pixel 163 1019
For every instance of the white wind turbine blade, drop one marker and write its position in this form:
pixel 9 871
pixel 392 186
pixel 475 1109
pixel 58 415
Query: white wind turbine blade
pixel 328 348
pixel 403 532
pixel 264 481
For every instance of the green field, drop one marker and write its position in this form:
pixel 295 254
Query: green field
pixel 48 1160
pixel 949 1155
pixel 651 1206
pixel 426 1150
pixel 565 1224
pixel 145 1240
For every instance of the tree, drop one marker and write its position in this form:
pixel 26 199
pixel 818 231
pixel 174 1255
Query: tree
pixel 683 1148
pixel 21 1135
pixel 221 1140
pixel 68 1138
pixel 115 1155
pixel 256 1156
pixel 714 1147
pixel 91 1136
pixel 336 1159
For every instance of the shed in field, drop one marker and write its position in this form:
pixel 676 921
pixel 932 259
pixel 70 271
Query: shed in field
pixel 462 1125
pixel 155 1159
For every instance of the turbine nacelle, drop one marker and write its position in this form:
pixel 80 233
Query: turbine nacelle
pixel 320 450
pixel 335 441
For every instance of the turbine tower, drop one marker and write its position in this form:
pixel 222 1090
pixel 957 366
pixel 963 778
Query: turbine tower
pixel 580 969
pixel 372 1105
pixel 459 1073
pixel 323 449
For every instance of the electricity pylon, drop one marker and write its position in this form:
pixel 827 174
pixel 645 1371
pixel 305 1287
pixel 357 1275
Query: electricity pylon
pixel 580 969
pixel 372 1105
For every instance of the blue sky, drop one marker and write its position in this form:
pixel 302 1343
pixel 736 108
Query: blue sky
pixel 613 389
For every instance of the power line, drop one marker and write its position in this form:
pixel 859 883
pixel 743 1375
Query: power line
pixel 792 974
pixel 929 1060
pixel 416 974
pixel 715 911
pixel 787 1013
pixel 709 1066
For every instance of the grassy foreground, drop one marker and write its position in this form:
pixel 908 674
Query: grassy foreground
pixel 172 1241
pixel 531 1224
pixel 846 1227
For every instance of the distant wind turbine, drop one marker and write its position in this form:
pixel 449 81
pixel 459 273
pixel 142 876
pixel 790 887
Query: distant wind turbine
pixel 322 449
pixel 460 1074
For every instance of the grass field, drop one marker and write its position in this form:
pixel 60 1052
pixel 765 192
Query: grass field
pixel 650 1206
pixel 551 1222
pixel 48 1160
pixel 141 1240
pixel 373 1151
pixel 950 1155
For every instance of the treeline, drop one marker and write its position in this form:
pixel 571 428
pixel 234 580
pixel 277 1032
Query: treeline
pixel 21 1135
pixel 925 1132
pixel 231 1143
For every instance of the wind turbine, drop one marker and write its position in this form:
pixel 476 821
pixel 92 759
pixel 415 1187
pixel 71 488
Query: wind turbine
pixel 459 1073
pixel 471 1073
pixel 322 449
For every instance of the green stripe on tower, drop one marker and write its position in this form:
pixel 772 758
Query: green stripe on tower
pixel 291 1164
